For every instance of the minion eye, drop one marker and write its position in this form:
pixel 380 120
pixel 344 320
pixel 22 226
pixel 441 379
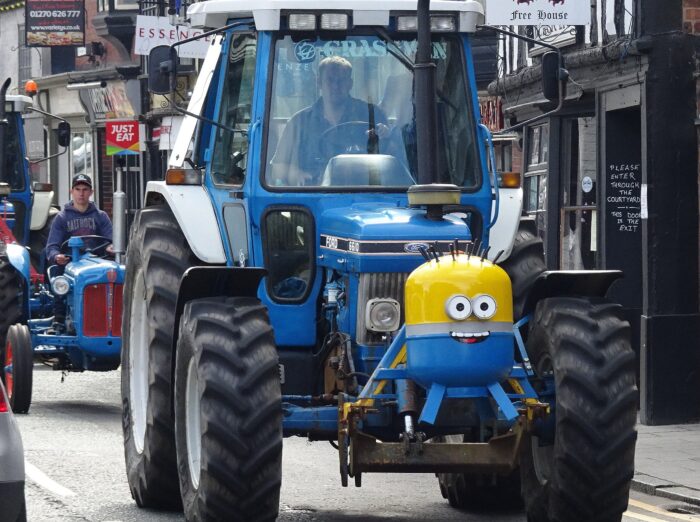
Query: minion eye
pixel 484 306
pixel 458 307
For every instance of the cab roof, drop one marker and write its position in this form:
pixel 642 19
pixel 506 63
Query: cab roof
pixel 268 13
pixel 18 103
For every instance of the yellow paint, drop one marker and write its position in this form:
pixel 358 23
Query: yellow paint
pixel 644 518
pixel 660 511
pixel 429 287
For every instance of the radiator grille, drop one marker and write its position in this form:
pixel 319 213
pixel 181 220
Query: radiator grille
pixel 373 286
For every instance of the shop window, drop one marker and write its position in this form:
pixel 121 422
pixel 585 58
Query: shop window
pixel 231 148
pixel 288 239
pixel 578 238
pixel 24 58
pixel 535 178
pixel 81 153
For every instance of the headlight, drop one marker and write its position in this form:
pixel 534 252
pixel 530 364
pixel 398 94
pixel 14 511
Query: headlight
pixel 458 307
pixel 383 315
pixel 484 306
pixel 60 285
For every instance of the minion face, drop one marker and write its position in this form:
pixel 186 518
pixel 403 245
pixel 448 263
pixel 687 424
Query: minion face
pixel 459 322
pixel 460 308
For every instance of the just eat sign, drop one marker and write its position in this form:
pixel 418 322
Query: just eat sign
pixel 122 137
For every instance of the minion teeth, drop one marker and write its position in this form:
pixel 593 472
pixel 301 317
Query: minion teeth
pixel 469 337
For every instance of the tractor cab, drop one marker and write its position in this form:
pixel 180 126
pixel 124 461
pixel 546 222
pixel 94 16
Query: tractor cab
pixel 15 208
pixel 26 212
pixel 308 143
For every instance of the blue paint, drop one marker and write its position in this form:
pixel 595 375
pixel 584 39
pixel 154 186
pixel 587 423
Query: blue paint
pixel 444 367
pixel 441 359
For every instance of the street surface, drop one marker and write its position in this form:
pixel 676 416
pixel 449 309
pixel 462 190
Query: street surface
pixel 75 470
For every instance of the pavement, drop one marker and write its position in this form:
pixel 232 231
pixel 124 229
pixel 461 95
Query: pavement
pixel 667 462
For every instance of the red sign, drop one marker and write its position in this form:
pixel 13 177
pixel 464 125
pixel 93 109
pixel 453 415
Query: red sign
pixel 492 113
pixel 122 137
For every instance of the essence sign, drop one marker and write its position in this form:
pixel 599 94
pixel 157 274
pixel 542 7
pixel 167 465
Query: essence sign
pixel 538 12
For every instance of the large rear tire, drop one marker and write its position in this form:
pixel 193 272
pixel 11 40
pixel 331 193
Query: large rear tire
pixel 473 491
pixel 580 350
pixel 10 298
pixel 157 257
pixel 18 360
pixel 525 264
pixel 228 414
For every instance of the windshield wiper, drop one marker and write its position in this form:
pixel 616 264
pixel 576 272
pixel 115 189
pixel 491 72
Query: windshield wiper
pixel 396 51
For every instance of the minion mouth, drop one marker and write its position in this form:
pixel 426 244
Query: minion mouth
pixel 469 337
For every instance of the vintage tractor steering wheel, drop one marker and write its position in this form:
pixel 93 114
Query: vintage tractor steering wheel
pixel 65 249
pixel 350 137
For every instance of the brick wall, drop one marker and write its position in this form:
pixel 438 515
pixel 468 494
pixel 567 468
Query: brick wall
pixel 691 16
pixel 105 175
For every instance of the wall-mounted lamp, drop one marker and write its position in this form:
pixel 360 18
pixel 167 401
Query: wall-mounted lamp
pixel 86 85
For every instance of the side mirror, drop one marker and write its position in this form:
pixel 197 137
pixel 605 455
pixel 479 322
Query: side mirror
pixel 552 75
pixel 162 69
pixel 5 189
pixel 63 134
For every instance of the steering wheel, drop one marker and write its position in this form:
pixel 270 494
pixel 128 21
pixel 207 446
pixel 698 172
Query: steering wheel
pixel 65 249
pixel 345 138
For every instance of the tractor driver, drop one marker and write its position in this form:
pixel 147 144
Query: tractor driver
pixel 79 217
pixel 301 154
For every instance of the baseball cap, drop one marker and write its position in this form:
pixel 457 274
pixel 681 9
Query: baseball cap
pixel 81 178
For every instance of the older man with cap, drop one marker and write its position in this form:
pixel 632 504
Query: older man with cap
pixel 79 217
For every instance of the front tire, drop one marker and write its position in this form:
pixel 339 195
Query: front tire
pixel 10 299
pixel 228 415
pixel 158 255
pixel 580 350
pixel 18 360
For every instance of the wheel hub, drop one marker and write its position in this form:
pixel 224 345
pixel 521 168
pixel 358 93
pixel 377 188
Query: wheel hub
pixel 193 431
pixel 138 362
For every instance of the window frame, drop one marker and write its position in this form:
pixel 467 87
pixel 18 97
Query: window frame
pixel 363 31
pixel 221 89
pixel 311 249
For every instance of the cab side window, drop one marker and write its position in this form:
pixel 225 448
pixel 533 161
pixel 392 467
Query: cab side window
pixel 288 239
pixel 231 148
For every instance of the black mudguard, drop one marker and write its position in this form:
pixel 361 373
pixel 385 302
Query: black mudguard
pixel 581 283
pixel 213 281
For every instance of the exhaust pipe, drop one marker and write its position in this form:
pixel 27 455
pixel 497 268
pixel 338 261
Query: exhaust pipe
pixel 119 214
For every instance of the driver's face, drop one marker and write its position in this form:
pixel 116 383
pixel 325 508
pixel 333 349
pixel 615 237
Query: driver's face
pixel 336 83
pixel 81 194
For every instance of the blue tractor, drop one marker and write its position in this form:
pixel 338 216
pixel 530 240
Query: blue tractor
pixel 378 290
pixel 90 338
pixel 26 212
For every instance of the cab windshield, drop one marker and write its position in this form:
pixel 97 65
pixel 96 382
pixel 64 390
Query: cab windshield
pixel 12 172
pixel 342 114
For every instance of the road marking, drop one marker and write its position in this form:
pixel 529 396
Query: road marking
pixel 40 478
pixel 660 511
pixel 639 516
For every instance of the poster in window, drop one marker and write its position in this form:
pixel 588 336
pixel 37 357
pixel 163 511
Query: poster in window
pixel 54 23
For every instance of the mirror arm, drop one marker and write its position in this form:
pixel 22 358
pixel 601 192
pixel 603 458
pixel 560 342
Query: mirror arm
pixel 204 119
pixel 519 126
pixel 210 33
pixel 34 162
pixel 47 114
